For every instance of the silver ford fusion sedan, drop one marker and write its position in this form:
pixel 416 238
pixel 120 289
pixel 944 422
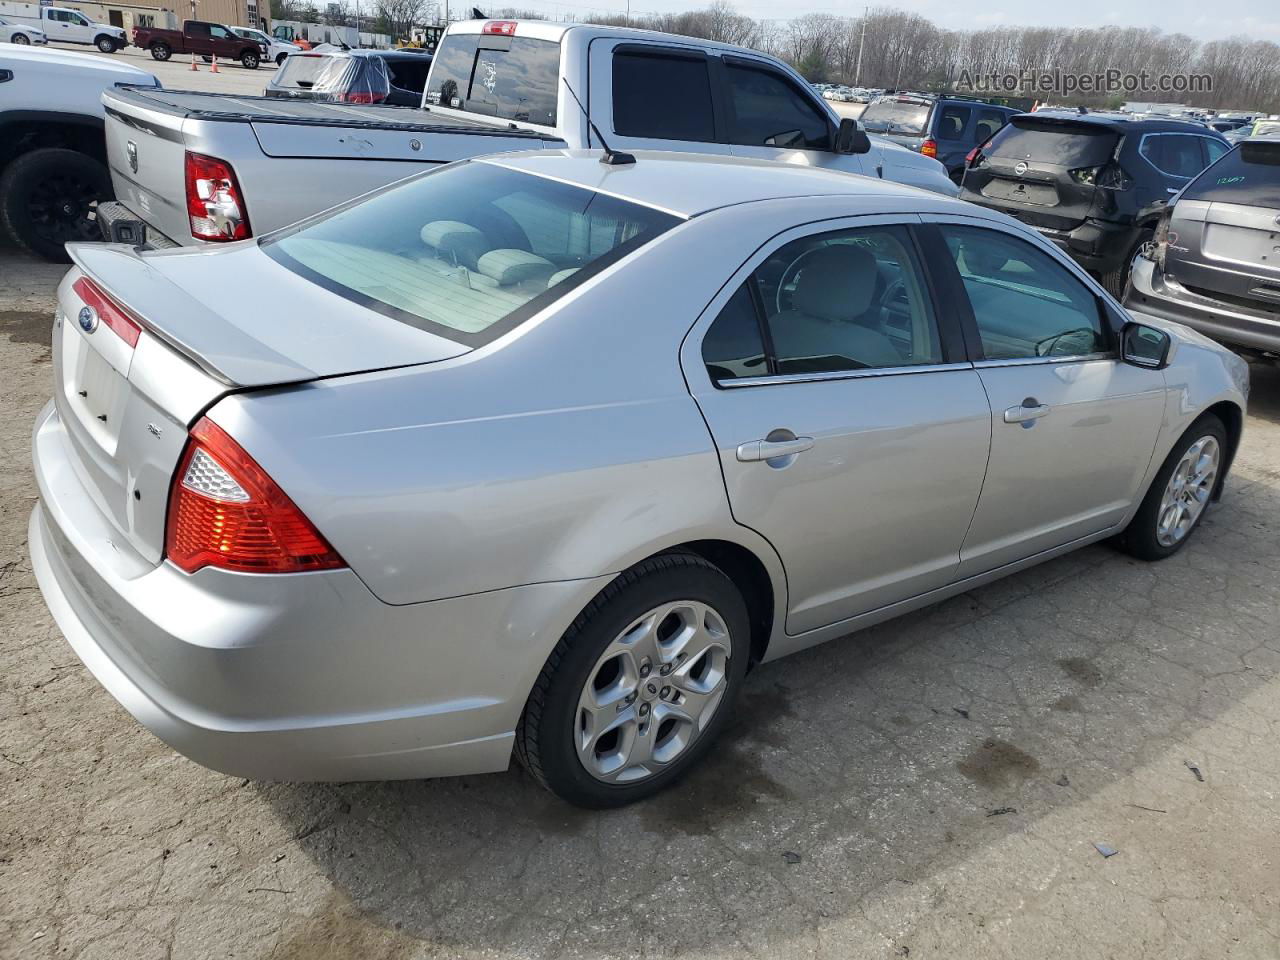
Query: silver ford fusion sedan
pixel 537 454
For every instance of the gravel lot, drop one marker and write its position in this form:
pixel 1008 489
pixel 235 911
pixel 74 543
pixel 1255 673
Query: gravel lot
pixel 933 787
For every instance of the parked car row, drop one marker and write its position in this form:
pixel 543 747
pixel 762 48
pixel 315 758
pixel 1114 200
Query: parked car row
pixel 537 451
pixel 33 21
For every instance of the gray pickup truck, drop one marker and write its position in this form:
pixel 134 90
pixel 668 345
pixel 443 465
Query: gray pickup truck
pixel 192 168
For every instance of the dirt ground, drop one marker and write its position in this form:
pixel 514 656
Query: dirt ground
pixel 933 787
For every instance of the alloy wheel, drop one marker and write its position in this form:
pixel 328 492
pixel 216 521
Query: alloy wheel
pixel 1188 491
pixel 652 692
pixel 61 208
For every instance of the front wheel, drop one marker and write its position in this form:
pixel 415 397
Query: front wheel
pixel 105 44
pixel 280 59
pixel 639 687
pixel 249 60
pixel 1180 493
pixel 161 51
pixel 21 39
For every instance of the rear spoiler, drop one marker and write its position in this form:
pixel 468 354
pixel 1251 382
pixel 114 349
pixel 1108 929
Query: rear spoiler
pixel 1032 121
pixel 184 323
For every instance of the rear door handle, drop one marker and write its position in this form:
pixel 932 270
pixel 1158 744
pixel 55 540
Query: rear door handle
pixel 756 450
pixel 1030 409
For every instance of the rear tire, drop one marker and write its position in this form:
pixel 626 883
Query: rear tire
pixel 1115 280
pixel 556 738
pixel 1151 535
pixel 161 51
pixel 47 198
pixel 206 58
pixel 21 39
pixel 249 60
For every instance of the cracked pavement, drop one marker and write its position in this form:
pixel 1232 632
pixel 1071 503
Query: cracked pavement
pixel 932 787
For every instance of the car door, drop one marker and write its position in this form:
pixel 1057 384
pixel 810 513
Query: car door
pixel 197 39
pixel 770 116
pixel 1073 428
pixel 852 433
pixel 953 134
pixel 653 96
pixel 223 42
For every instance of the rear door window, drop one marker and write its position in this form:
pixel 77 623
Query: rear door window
pixel 952 122
pixel 1174 154
pixel 989 122
pixel 769 110
pixel 513 78
pixel 1248 175
pixel 662 96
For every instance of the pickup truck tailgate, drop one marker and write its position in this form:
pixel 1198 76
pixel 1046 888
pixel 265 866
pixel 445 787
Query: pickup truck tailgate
pixel 146 157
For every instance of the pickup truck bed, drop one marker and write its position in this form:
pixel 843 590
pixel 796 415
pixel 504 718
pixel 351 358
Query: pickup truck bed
pixel 280 150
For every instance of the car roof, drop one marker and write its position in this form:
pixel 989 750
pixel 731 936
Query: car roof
pixel 690 184
pixel 1120 121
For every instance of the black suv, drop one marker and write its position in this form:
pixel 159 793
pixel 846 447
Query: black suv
pixel 1082 179
pixel 944 128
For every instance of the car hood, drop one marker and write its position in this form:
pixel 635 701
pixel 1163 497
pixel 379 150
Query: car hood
pixel 250 322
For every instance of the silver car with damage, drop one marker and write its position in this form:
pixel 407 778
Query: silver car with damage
pixel 539 454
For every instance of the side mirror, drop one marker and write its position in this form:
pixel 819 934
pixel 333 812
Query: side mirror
pixel 851 138
pixel 1144 346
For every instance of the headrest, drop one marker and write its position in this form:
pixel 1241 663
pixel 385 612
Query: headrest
pixel 514 266
pixel 836 282
pixel 456 239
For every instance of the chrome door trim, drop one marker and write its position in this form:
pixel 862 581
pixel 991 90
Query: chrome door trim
pixel 840 375
pixel 1036 361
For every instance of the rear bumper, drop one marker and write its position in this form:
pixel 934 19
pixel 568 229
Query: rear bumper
pixel 287 677
pixel 119 224
pixel 1150 292
pixel 1097 245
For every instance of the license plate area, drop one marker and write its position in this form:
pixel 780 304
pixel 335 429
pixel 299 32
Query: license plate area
pixel 94 391
pixel 1039 194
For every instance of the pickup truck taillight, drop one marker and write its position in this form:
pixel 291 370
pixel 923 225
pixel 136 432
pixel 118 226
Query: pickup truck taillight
pixel 214 201
pixel 929 148
pixel 224 511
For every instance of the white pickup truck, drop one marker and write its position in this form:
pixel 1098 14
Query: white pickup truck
pixel 190 168
pixel 65 25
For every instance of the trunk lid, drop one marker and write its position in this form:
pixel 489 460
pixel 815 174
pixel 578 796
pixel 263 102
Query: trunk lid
pixel 126 410
pixel 1028 171
pixel 1224 230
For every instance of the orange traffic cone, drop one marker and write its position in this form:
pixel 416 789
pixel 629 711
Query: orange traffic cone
pixel 214 68
pixel 193 63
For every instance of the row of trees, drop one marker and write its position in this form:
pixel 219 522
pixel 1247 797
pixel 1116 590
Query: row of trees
pixel 905 50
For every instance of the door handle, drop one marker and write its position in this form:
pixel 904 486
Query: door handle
pixel 756 450
pixel 1030 409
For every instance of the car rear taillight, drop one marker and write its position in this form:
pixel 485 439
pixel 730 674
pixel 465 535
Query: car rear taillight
pixel 224 511
pixel 929 148
pixel 359 96
pixel 214 201
pixel 502 28
pixel 1110 176
pixel 110 313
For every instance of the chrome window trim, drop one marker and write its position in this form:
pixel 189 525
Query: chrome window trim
pixel 1037 361
pixel 1173 133
pixel 861 374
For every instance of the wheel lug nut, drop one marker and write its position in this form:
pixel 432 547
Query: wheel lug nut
pixel 630 699
pixel 645 669
pixel 665 669
pixel 666 693
pixel 644 709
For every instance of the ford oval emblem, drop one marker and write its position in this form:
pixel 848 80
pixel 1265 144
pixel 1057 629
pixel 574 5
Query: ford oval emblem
pixel 88 318
pixel 1021 168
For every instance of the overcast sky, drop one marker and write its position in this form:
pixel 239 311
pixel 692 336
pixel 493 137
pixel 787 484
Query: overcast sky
pixel 1252 18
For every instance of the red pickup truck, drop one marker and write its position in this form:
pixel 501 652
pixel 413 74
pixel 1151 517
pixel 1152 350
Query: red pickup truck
pixel 200 37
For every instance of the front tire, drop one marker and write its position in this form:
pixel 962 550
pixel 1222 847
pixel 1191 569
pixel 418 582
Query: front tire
pixel 21 39
pixel 1180 493
pixel 48 197
pixel 249 60
pixel 105 44
pixel 161 51
pixel 639 687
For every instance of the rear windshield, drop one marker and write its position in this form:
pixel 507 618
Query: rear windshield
pixel 320 75
pixel 514 78
pixel 888 116
pixel 1065 143
pixel 469 251
pixel 1249 174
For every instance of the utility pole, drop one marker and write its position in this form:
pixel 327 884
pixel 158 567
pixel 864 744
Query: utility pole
pixel 628 13
pixel 857 70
